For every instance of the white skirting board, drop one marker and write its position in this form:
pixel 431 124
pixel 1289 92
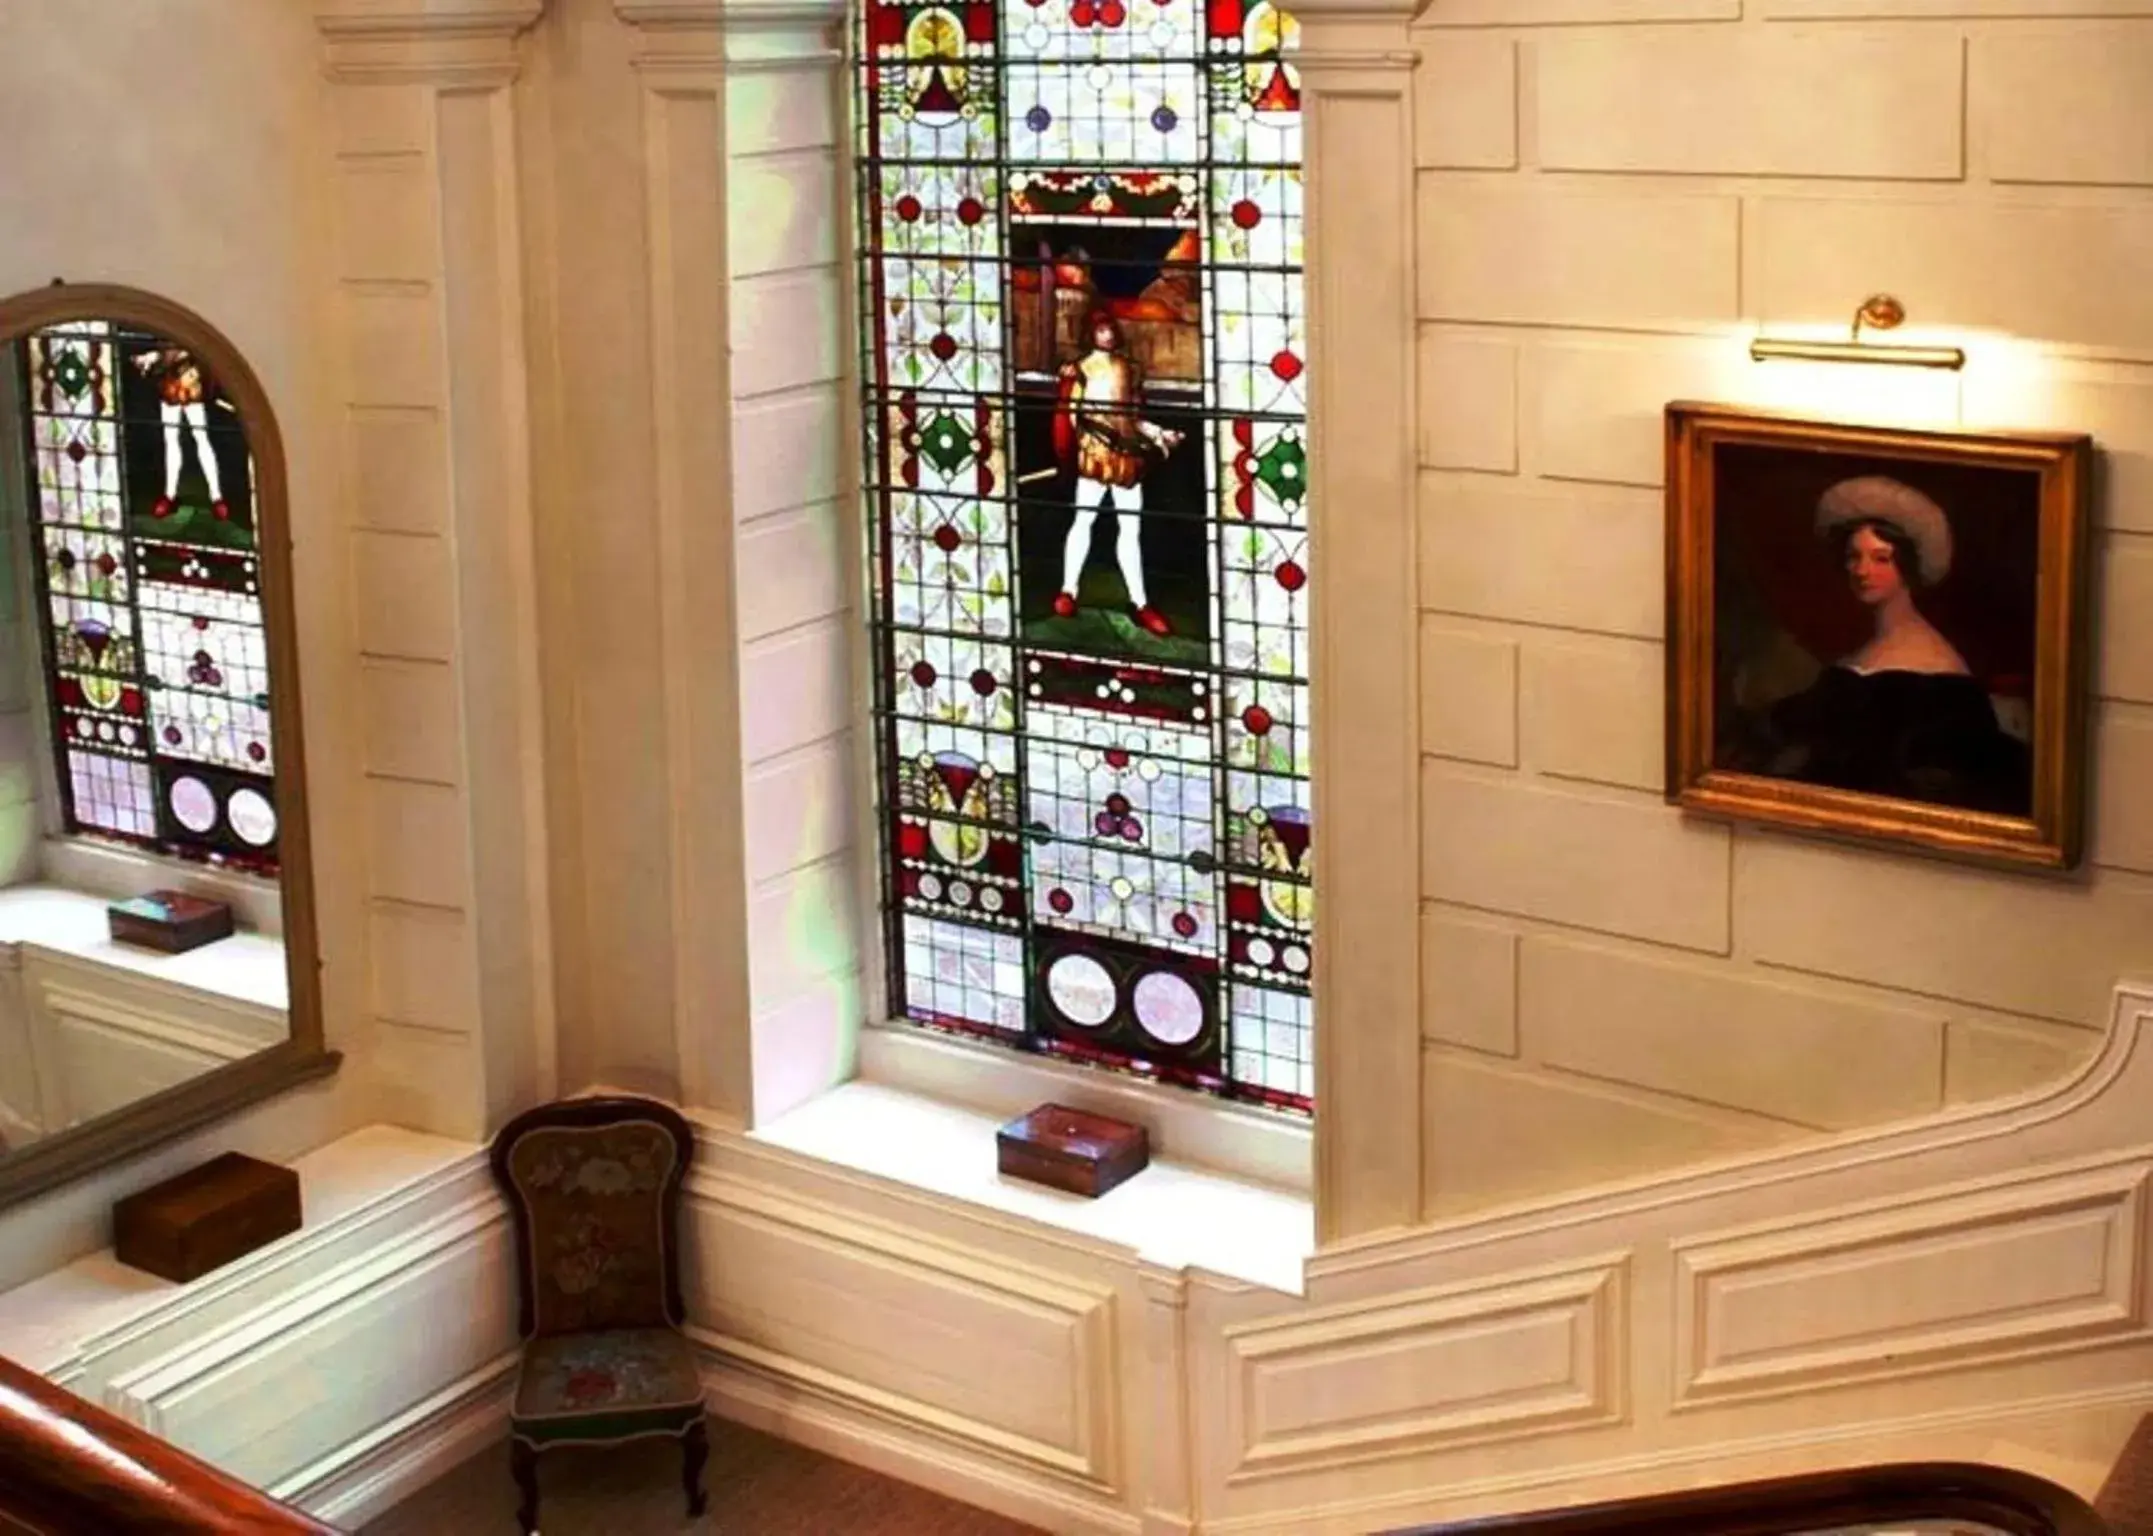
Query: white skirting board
pixel 365 1478
pixel 886 1444
pixel 1975 1286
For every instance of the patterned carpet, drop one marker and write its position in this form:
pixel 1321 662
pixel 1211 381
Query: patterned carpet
pixel 758 1486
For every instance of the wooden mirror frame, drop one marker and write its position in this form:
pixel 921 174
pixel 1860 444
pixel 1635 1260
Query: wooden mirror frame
pixel 59 1159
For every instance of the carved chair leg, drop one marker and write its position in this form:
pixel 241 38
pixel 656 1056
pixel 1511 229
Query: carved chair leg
pixel 694 1451
pixel 523 1465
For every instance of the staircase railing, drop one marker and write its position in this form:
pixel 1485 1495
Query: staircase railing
pixel 70 1468
pixel 1932 1498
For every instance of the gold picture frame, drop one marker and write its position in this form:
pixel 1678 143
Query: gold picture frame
pixel 1878 633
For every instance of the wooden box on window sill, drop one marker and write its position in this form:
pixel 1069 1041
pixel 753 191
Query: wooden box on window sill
pixel 1085 1154
pixel 207 1217
pixel 171 921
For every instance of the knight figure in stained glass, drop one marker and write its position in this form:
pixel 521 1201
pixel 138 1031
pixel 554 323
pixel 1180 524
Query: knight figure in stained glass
pixel 182 405
pixel 1100 428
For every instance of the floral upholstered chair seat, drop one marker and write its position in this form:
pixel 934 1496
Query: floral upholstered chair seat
pixel 594 1187
pixel 619 1384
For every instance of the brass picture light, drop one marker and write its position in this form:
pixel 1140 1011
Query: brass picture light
pixel 1878 312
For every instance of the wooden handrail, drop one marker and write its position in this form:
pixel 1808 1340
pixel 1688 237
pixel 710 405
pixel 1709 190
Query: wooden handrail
pixel 1995 1498
pixel 69 1468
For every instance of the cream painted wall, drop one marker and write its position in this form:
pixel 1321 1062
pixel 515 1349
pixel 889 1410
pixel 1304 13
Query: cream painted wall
pixel 178 147
pixel 595 501
pixel 1613 195
pixel 698 568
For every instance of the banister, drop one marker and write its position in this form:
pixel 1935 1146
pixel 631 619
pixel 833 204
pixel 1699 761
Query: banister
pixel 70 1468
pixel 1839 1502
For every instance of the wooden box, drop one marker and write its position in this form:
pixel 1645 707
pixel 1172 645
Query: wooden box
pixel 171 921
pixel 207 1217
pixel 1085 1154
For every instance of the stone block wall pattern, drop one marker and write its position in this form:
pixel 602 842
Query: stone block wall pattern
pixel 1613 197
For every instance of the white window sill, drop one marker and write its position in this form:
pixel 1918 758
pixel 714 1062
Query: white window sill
pixel 47 1322
pixel 1246 1144
pixel 101 868
pixel 1173 1213
pixel 244 968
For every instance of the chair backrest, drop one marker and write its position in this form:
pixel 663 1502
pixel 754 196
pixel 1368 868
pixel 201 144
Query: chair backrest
pixel 594 1188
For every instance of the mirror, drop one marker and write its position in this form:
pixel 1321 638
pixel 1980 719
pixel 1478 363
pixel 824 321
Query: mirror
pixel 157 958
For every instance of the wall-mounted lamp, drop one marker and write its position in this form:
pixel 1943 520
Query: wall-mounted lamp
pixel 1879 312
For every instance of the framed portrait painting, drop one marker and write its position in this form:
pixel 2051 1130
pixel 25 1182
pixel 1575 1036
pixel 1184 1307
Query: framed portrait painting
pixel 1876 633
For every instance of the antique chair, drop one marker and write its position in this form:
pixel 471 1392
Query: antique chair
pixel 594 1187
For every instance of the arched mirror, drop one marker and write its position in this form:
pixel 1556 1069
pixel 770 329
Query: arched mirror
pixel 157 948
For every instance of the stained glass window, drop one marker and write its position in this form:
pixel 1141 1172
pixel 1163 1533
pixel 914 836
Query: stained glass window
pixel 148 591
pixel 1085 452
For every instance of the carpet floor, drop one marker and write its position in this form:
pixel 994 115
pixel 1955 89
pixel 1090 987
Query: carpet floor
pixel 758 1486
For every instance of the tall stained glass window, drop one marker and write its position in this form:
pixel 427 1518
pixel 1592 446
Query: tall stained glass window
pixel 148 595
pixel 1085 395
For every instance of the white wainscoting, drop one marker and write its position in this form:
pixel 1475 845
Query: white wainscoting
pixel 1489 1360
pixel 341 1367
pixel 2019 1267
pixel 1970 1286
pixel 88 1026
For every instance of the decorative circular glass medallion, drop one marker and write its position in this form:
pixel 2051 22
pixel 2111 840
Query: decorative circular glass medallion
pixel 990 899
pixel 960 894
pixel 1082 990
pixel 1295 959
pixel 252 817
pixel 194 806
pixel 931 887
pixel 1168 1008
pixel 1260 952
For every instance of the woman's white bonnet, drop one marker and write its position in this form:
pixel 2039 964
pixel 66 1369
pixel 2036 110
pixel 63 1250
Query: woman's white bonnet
pixel 1879 498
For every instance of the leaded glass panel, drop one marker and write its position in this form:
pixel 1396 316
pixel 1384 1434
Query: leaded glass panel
pixel 149 589
pixel 1087 464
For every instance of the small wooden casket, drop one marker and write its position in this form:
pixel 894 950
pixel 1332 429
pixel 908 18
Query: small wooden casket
pixel 171 921
pixel 1070 1149
pixel 207 1217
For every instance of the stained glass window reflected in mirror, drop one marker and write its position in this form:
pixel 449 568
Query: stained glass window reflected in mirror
pixel 1085 392
pixel 148 592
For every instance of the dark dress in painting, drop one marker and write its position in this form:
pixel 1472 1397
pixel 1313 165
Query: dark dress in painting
pixel 1911 735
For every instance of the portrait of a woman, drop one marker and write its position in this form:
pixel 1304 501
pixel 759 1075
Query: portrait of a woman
pixel 1898 712
pixel 1873 632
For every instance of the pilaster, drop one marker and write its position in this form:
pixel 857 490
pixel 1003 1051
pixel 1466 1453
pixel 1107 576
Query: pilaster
pixel 1356 64
pixel 1166 1476
pixel 741 104
pixel 436 451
